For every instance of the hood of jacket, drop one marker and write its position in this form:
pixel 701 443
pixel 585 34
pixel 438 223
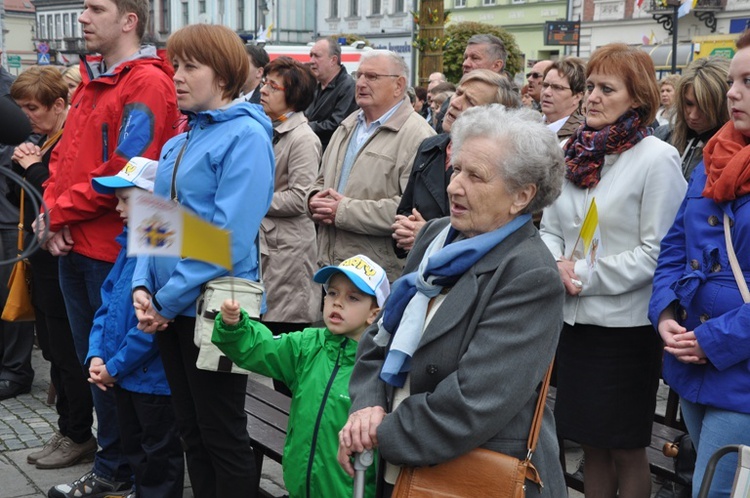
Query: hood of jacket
pixel 92 66
pixel 229 112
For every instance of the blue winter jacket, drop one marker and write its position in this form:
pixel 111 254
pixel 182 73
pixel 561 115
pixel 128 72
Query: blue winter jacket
pixel 693 274
pixel 226 177
pixel 131 356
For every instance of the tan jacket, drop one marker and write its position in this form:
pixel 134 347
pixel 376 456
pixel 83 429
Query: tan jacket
pixel 372 193
pixel 286 232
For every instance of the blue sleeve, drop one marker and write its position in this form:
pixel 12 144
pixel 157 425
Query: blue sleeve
pixel 669 269
pixel 726 338
pixel 670 266
pixel 96 336
pixel 244 193
pixel 141 275
pixel 135 350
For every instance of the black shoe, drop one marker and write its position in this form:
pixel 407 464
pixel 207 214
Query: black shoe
pixel 11 389
pixel 90 486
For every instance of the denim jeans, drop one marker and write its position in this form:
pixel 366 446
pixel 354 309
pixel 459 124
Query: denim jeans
pixel 81 280
pixel 711 428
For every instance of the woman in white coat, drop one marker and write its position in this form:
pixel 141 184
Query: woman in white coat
pixel 609 357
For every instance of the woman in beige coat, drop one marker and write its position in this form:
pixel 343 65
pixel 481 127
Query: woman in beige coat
pixel 287 235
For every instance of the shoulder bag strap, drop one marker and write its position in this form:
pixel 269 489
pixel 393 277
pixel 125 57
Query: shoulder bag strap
pixel 174 170
pixel 20 221
pixel 536 423
pixel 738 276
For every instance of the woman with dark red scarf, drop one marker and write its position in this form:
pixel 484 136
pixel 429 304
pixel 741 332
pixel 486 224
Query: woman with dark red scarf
pixel 609 356
pixel 697 304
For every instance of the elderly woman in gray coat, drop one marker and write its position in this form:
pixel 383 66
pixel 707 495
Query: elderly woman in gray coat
pixel 472 325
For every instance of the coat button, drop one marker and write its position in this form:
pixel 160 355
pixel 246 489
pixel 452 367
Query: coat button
pixel 716 267
pixel 713 220
pixel 432 369
pixel 694 264
pixel 703 318
pixel 683 314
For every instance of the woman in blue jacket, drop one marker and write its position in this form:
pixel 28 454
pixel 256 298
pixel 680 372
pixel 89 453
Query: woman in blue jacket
pixel 696 303
pixel 222 170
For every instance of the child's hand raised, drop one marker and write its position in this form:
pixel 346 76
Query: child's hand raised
pixel 230 312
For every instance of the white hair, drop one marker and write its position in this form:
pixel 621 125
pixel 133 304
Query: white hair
pixel 396 60
pixel 531 153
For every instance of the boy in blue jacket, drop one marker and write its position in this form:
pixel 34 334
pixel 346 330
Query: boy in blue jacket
pixel 316 364
pixel 123 358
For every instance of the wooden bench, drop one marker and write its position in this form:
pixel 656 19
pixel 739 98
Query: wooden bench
pixel 665 429
pixel 267 418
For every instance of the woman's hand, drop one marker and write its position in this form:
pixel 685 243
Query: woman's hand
pixel 149 320
pixel 359 433
pixel 406 228
pixel 678 341
pixel 27 154
pixel 687 349
pixel 570 280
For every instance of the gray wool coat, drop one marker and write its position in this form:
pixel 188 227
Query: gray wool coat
pixel 475 374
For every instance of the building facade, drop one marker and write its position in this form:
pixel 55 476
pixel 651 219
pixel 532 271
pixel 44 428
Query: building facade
pixel 525 19
pixel 386 24
pixel 18 27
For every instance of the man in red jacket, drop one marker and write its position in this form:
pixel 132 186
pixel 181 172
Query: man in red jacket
pixel 126 106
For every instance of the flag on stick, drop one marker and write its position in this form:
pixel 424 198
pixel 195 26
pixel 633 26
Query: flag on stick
pixel 161 227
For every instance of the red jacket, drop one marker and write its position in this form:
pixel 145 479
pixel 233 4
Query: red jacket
pixel 130 111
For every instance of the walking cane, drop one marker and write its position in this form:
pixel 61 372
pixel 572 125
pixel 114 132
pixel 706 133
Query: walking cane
pixel 361 462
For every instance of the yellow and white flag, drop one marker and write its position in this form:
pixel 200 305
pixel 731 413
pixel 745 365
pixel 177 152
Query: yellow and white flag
pixel 160 227
pixel 590 236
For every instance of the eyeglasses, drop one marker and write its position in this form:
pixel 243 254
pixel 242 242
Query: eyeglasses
pixel 372 76
pixel 555 87
pixel 274 87
pixel 535 76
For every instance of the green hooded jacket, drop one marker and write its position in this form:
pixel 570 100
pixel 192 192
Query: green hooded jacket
pixel 316 365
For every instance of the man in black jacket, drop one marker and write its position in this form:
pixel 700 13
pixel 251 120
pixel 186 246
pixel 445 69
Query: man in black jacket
pixel 334 95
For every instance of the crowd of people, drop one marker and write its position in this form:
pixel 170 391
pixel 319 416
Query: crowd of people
pixel 427 254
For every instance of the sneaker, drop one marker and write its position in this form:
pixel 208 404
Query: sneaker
pixel 67 453
pixel 50 446
pixel 90 486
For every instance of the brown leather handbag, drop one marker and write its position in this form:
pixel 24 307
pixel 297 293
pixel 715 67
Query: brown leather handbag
pixel 18 307
pixel 480 472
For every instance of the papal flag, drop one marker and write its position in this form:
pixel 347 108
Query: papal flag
pixel 161 227
pixel 590 235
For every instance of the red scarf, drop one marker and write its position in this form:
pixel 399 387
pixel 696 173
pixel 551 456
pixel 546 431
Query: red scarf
pixel 727 160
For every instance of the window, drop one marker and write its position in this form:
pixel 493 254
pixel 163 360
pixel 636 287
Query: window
pixel 185 14
pixel 41 28
pixel 58 26
pixel 399 6
pixel 354 8
pixel 241 15
pixel 164 28
pixel 333 9
pixel 66 25
pixel 202 7
pixel 490 2
pixel 374 7
pixel 50 30
pixel 459 3
pixel 74 24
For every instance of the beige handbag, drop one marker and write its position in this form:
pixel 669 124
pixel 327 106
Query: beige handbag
pixel 246 292
pixel 18 307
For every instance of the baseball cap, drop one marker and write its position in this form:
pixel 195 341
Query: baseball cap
pixel 138 172
pixel 364 273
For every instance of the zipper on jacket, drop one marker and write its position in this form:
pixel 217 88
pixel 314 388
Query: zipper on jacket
pixel 105 142
pixel 320 416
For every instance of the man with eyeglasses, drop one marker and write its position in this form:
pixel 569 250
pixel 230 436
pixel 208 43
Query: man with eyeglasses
pixel 535 78
pixel 366 167
pixel 334 94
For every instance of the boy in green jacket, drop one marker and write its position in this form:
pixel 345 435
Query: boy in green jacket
pixel 316 364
